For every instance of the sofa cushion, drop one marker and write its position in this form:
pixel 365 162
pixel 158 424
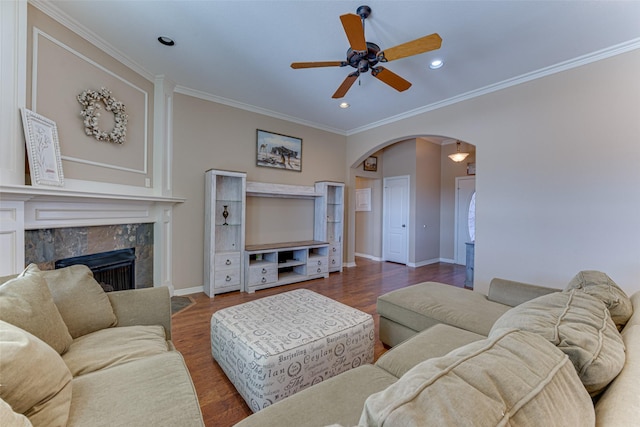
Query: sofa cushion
pixel 10 418
pixel 35 380
pixel 619 405
pixel 512 378
pixel 578 324
pixel 153 391
pixel 27 303
pixel 336 400
pixel 436 341
pixel 426 304
pixel 114 346
pixel 82 302
pixel 601 286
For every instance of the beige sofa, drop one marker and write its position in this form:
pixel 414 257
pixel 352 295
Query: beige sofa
pixel 523 355
pixel 73 355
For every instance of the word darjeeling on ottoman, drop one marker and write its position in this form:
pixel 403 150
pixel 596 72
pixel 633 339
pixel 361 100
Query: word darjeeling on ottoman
pixel 275 346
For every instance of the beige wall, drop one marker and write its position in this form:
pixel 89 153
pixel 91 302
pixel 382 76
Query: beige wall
pixel 210 135
pixel 65 65
pixel 558 171
pixel 425 226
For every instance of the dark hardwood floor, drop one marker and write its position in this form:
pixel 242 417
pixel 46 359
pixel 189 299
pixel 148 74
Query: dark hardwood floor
pixel 358 287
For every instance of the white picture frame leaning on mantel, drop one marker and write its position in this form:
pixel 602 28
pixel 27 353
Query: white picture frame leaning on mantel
pixel 43 149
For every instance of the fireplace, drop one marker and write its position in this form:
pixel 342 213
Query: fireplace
pixel 114 270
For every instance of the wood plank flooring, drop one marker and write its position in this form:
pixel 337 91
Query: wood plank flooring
pixel 357 287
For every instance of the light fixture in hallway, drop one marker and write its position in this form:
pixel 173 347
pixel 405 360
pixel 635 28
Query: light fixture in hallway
pixel 458 156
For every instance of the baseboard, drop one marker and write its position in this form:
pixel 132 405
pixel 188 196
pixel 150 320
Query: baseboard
pixel 349 264
pixel 431 261
pixel 187 291
pixel 367 256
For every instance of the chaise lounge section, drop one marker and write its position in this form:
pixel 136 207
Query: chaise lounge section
pixel 523 355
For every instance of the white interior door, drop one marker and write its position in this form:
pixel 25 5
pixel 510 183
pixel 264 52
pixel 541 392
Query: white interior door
pixel 465 189
pixel 396 219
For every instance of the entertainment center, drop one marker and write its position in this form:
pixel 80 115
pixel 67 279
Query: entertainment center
pixel 231 265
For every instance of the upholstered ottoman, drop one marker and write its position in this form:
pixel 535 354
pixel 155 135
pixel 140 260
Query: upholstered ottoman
pixel 275 346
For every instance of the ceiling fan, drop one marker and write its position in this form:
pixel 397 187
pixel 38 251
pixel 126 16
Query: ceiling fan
pixel 363 55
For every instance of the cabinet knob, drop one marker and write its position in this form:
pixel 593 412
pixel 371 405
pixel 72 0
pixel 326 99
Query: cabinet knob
pixel 333 249
pixel 264 279
pixel 319 270
pixel 264 271
pixel 228 279
pixel 228 262
pixel 333 261
pixel 319 262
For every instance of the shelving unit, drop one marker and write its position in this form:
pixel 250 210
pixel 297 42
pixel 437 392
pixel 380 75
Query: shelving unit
pixel 329 217
pixel 270 265
pixel 225 197
pixel 230 266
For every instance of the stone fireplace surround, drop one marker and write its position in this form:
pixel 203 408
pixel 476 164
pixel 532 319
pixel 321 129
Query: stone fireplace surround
pixel 46 246
pixel 32 218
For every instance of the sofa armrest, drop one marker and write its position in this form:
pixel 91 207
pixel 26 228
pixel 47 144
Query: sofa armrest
pixel 513 293
pixel 148 306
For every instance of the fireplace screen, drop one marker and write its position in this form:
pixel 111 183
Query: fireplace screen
pixel 114 270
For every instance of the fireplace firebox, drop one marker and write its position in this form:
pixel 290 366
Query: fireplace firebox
pixel 114 270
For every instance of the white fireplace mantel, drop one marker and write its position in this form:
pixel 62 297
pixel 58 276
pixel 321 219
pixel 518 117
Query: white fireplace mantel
pixel 31 208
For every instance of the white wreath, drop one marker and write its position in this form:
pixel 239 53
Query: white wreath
pixel 90 101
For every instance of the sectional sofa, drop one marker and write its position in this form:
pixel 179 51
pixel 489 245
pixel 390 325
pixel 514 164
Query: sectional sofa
pixel 73 355
pixel 523 355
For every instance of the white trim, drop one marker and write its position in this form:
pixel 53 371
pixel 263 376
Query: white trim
pixel 556 68
pixel 91 37
pixel 53 12
pixel 426 262
pixel 188 291
pixel 13 89
pixel 349 264
pixel 265 112
pixel 34 95
pixel 367 256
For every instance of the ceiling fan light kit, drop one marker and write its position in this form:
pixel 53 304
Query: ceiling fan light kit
pixel 365 56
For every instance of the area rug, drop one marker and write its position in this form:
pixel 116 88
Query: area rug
pixel 179 304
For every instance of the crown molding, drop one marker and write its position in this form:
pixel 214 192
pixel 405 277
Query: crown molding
pixel 73 25
pixel 557 68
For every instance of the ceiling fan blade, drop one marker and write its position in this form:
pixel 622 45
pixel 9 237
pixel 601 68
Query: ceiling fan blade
pixel 390 78
pixel 414 47
pixel 297 65
pixel 346 85
pixel 352 25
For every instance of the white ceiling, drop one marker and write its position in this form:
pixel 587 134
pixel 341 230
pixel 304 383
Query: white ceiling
pixel 238 52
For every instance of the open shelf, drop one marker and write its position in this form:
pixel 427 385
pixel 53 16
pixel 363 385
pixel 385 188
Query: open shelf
pixel 277 264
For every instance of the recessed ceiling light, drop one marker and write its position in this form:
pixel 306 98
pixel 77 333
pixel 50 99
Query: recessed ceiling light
pixel 167 41
pixel 344 105
pixel 436 63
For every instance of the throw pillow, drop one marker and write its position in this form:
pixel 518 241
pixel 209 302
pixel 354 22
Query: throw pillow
pixel 578 324
pixel 513 378
pixel 599 285
pixel 10 418
pixel 82 302
pixel 35 380
pixel 27 303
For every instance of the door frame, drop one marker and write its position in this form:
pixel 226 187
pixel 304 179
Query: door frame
pixel 456 216
pixel 384 215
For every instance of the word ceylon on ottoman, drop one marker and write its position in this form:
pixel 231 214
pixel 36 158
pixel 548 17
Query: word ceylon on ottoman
pixel 275 346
